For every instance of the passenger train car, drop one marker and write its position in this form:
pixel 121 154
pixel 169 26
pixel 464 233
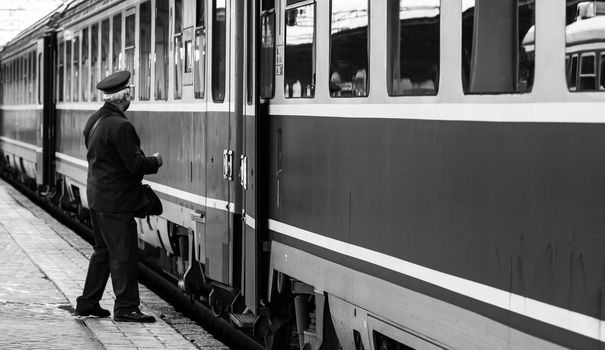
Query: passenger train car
pixel 355 174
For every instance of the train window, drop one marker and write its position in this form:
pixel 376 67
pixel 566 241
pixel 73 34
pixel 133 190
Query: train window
pixel 94 61
pixel 26 78
pixel 267 53
pixel 299 67
pixel 219 29
pixel 60 71
pixel 33 77
pixel 383 342
pixel 162 32
pixel 104 48
pixel 572 73
pixel 349 50
pixel 145 51
pixel 583 24
pixel 39 70
pixel 588 72
pixel 116 39
pixel 129 47
pixel 178 49
pixel 413 49
pixel 76 68
pixel 68 44
pixel 498 46
pixel 602 73
pixel 199 74
pixel 85 64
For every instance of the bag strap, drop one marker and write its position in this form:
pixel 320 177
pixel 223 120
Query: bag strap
pixel 92 130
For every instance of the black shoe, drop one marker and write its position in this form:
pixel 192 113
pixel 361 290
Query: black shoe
pixel 97 311
pixel 134 316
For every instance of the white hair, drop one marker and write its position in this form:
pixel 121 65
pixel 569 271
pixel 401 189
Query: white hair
pixel 117 96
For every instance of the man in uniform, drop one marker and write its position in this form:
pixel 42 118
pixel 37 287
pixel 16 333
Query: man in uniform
pixel 116 166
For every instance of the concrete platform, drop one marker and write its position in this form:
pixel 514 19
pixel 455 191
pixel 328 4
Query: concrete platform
pixel 42 270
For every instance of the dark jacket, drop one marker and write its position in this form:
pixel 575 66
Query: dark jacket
pixel 116 164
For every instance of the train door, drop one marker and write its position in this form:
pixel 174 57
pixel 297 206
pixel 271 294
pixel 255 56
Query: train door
pixel 248 166
pixel 223 118
pixel 46 56
pixel 259 52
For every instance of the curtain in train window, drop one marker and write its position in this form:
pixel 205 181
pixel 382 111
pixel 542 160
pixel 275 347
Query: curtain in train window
pixel 76 75
pixel 68 44
pixel 199 74
pixel 104 49
pixel 267 52
pixel 94 61
pixel 179 51
pixel 60 70
pixel 498 46
pixel 219 39
pixel 162 32
pixel 85 64
pixel 584 24
pixel 116 39
pixel 299 65
pixel 145 51
pixel 413 49
pixel 349 61
pixel 129 48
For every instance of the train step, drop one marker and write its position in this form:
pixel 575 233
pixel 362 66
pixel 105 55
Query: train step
pixel 243 320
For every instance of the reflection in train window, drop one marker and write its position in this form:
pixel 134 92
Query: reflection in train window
pixel 94 57
pixel 84 65
pixel 349 50
pixel 116 39
pixel 179 52
pixel 588 72
pixel 299 65
pixel 76 75
pixel 68 70
pixel 413 49
pixel 162 33
pixel 498 46
pixel 199 74
pixel 585 22
pixel 129 48
pixel 60 69
pixel 104 48
pixel 219 48
pixel 145 51
pixel 267 53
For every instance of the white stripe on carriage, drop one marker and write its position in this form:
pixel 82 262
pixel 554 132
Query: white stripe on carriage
pixel 570 320
pixel 430 109
pixel 187 196
pixel 21 144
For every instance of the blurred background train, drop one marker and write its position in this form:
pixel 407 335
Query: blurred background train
pixel 401 174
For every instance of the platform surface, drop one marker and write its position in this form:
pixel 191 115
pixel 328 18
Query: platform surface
pixel 42 270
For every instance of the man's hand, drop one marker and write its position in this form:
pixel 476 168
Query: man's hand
pixel 159 158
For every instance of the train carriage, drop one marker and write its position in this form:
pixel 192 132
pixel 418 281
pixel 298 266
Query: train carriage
pixel 351 174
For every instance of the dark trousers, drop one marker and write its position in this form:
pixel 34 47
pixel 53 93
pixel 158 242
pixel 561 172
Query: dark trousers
pixel 115 253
